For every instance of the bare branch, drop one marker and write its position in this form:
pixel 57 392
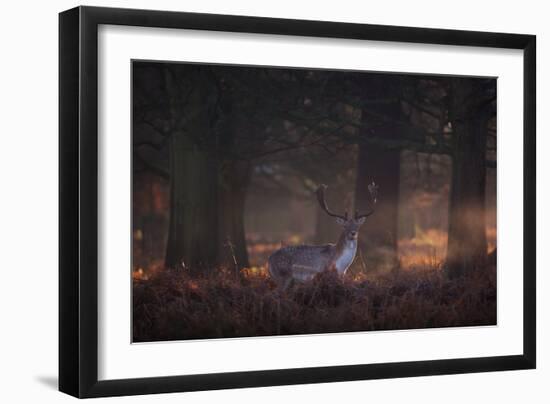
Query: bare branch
pixel 156 146
pixel 152 168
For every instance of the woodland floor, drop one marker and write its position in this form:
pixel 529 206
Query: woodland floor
pixel 175 306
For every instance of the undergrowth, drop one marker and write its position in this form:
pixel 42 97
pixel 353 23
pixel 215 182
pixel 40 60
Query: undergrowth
pixel 173 305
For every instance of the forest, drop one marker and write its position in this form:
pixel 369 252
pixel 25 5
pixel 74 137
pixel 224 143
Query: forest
pixel 226 163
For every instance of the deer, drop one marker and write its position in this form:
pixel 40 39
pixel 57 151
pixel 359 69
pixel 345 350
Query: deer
pixel 301 263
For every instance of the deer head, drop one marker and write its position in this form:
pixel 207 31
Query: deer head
pixel 350 224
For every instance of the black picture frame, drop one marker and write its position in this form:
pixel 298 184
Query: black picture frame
pixel 78 201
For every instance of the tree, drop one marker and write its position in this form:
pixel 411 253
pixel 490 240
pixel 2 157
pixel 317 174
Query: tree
pixel 381 118
pixel 194 169
pixel 471 104
pixel 234 180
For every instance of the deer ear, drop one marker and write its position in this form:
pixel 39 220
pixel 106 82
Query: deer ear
pixel 340 221
pixel 361 220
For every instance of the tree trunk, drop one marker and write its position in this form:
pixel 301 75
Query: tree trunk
pixel 234 184
pixel 467 243
pixel 234 179
pixel 194 173
pixel 378 236
pixel 193 230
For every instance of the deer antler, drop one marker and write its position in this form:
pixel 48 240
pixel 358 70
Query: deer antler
pixel 321 198
pixel 373 191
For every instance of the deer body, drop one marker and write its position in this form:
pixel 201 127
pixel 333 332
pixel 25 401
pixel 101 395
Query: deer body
pixel 302 263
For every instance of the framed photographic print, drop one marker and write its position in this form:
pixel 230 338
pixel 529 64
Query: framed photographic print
pixel 251 201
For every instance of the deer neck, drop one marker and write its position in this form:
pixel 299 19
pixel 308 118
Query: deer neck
pixel 344 253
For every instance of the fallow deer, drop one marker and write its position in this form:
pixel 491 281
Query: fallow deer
pixel 303 262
